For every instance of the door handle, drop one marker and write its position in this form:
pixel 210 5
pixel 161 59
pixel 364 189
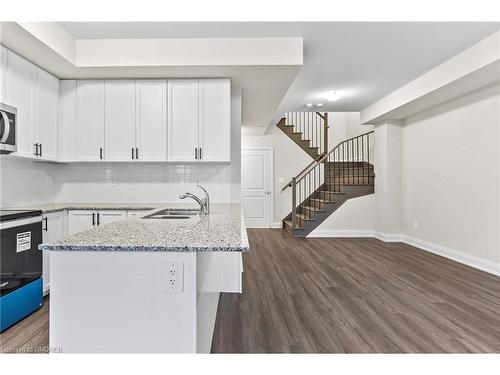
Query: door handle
pixel 268 192
pixel 6 122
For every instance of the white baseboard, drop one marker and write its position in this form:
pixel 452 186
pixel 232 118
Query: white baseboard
pixel 341 233
pixel 446 252
pixel 388 237
pixel 456 255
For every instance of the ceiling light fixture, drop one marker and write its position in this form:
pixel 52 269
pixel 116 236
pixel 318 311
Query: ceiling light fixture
pixel 309 105
pixel 319 105
pixel 332 96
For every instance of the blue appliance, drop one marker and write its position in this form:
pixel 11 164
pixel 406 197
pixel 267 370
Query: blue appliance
pixel 20 265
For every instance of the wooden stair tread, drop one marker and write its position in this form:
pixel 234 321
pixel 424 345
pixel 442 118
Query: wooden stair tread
pixel 311 208
pixel 289 223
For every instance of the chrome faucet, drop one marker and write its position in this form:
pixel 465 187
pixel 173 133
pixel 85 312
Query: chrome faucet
pixel 203 202
pixel 206 199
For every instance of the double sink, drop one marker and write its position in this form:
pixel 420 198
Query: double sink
pixel 173 213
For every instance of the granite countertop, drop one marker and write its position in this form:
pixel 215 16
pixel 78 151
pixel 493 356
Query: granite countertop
pixel 221 230
pixel 55 207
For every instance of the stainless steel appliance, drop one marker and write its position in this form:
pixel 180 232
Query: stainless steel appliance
pixel 20 265
pixel 8 117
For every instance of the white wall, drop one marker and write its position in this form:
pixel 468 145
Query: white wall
pixel 451 175
pixel 290 159
pixel 24 182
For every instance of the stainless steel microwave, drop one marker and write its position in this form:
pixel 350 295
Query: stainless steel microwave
pixel 8 117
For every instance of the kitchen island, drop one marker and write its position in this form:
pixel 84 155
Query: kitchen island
pixel 144 284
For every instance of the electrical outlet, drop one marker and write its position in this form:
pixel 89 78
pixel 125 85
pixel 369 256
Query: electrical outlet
pixel 415 224
pixel 175 277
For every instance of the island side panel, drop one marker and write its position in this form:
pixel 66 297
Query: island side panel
pixel 216 272
pixel 121 302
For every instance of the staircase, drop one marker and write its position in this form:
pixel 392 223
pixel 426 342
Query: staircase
pixel 333 177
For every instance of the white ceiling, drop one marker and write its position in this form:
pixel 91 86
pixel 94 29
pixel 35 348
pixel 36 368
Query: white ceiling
pixel 364 60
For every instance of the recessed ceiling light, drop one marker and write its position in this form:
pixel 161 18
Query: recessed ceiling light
pixel 319 105
pixel 309 105
pixel 332 96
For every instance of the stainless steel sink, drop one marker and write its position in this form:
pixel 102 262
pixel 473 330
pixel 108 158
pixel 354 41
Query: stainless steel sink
pixel 173 213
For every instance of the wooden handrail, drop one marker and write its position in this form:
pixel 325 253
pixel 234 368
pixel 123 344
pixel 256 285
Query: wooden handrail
pixel 320 159
pixel 311 163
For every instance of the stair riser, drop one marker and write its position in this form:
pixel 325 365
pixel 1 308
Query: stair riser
pixel 297 138
pixel 353 180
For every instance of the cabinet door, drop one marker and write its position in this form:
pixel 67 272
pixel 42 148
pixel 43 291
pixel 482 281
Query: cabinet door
pixel 80 220
pixel 53 230
pixel 183 120
pixel 46 104
pixel 215 121
pixel 119 120
pixel 108 216
pixel 90 120
pixel 67 120
pixel 3 74
pixel 20 95
pixel 151 120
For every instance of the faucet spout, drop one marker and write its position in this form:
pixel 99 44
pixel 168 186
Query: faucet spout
pixel 194 197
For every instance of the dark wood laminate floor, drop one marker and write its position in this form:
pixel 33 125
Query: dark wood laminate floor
pixel 355 296
pixel 30 335
pixel 338 296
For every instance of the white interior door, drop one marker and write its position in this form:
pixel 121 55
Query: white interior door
pixel 256 187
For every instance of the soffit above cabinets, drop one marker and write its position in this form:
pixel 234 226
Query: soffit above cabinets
pixel 262 68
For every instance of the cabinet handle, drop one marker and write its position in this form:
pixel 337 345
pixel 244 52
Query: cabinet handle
pixel 201 155
pixel 196 153
pixel 98 219
pixel 93 218
pixel 46 224
pixel 36 148
pixel 100 153
pixel 40 154
pixel 137 153
pixel 132 153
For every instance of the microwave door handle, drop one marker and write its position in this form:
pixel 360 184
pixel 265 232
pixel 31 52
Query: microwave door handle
pixel 6 131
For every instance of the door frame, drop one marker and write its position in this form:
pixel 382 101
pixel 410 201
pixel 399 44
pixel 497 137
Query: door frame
pixel 271 171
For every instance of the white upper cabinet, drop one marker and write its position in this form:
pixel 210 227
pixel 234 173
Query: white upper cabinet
pixel 199 120
pixel 119 120
pixel 20 88
pixel 183 120
pixel 151 120
pixel 214 120
pixel 46 114
pixel 67 120
pixel 3 74
pixel 90 121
